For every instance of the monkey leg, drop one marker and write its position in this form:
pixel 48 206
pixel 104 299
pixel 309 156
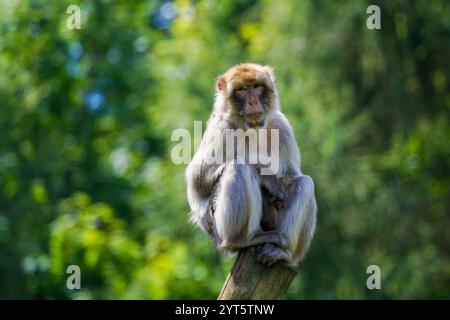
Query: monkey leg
pixel 270 216
pixel 306 232
pixel 238 210
pixel 297 224
pixel 269 253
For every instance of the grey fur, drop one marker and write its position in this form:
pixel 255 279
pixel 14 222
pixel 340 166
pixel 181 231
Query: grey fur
pixel 238 207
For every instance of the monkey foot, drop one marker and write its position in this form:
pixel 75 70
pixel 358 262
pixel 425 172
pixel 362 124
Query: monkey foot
pixel 269 254
pixel 281 240
pixel 274 237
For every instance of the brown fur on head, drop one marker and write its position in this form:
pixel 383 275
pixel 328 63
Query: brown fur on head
pixel 247 92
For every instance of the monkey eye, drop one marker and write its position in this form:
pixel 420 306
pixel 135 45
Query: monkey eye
pixel 259 88
pixel 240 91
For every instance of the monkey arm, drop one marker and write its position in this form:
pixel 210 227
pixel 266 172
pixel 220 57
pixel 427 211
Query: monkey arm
pixel 206 176
pixel 274 185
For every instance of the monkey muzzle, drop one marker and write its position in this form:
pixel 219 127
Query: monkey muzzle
pixel 260 124
pixel 253 110
pixel 255 120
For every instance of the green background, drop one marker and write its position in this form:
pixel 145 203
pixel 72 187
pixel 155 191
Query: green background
pixel 86 116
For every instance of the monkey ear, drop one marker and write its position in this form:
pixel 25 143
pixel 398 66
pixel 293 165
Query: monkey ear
pixel 270 72
pixel 221 83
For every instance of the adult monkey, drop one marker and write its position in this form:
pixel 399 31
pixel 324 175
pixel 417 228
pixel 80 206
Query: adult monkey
pixel 232 201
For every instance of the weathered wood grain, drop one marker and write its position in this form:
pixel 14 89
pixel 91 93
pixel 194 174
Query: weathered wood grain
pixel 249 280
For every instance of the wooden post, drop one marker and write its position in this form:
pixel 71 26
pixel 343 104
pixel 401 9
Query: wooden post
pixel 249 280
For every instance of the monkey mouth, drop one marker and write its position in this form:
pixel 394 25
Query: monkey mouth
pixel 256 124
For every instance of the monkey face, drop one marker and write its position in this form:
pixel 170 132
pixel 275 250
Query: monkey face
pixel 249 91
pixel 249 101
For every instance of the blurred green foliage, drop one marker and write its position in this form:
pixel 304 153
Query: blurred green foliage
pixel 86 117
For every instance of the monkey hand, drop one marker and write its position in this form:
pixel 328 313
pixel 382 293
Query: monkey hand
pixel 268 254
pixel 276 189
pixel 277 203
pixel 274 186
pixel 277 239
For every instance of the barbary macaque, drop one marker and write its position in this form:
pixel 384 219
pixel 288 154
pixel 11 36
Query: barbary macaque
pixel 233 200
